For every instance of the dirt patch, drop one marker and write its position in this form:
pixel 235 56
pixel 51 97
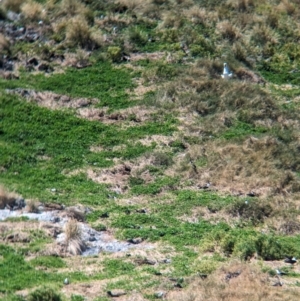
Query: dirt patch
pixel 150 56
pixel 116 176
pixel 52 100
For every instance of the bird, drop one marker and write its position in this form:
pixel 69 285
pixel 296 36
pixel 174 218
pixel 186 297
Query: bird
pixel 280 273
pixel 290 259
pixel 66 281
pixel 226 73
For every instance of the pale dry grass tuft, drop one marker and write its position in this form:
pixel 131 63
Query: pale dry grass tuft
pixel 4 44
pixel 71 7
pixel 262 34
pixel 78 32
pixel 228 30
pixel 73 237
pixel 32 10
pixel 32 206
pixel 14 5
pixel 199 15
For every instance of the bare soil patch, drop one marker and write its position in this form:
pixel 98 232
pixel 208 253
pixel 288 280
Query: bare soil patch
pixel 52 100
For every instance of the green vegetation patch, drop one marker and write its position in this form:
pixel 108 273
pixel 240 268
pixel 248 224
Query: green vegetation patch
pixel 101 81
pixel 17 274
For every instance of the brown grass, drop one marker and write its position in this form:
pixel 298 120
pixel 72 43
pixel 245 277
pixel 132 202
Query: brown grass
pixel 71 7
pixel 4 44
pixel 228 30
pixel 32 206
pixel 32 10
pixel 78 32
pixel 73 237
pixel 248 284
pixel 7 198
pixel 199 15
pixel 13 5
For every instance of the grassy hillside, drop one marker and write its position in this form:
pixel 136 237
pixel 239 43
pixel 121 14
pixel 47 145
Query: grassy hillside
pixel 119 107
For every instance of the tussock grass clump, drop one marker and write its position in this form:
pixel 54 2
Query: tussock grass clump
pixel 32 10
pixel 4 45
pixel 71 7
pixel 228 30
pixel 32 206
pixel 6 198
pixel 14 5
pixel 78 32
pixel 73 237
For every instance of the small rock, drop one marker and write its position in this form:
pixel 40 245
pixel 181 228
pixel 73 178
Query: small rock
pixel 143 210
pixel 33 61
pixel 167 260
pixel 66 281
pixel 136 240
pixel 159 294
pixel 116 293
pixel 44 67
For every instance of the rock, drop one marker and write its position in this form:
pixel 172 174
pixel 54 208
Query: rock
pixel 231 275
pixel 66 281
pixel 116 293
pixel 143 210
pixel 104 215
pixel 44 67
pixel 167 260
pixel 33 61
pixel 12 16
pixel 20 203
pixel 159 295
pixel 136 241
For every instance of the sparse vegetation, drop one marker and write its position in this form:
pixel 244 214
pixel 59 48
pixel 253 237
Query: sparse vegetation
pixel 119 106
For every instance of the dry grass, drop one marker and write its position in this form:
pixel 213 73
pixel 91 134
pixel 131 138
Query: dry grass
pixel 228 30
pixel 236 282
pixel 32 10
pixel 4 44
pixel 199 15
pixel 14 5
pixel 71 7
pixel 78 32
pixel 7 198
pixel 73 238
pixel 32 206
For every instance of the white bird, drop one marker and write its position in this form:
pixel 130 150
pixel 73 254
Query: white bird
pixel 66 281
pixel 226 73
pixel 280 273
